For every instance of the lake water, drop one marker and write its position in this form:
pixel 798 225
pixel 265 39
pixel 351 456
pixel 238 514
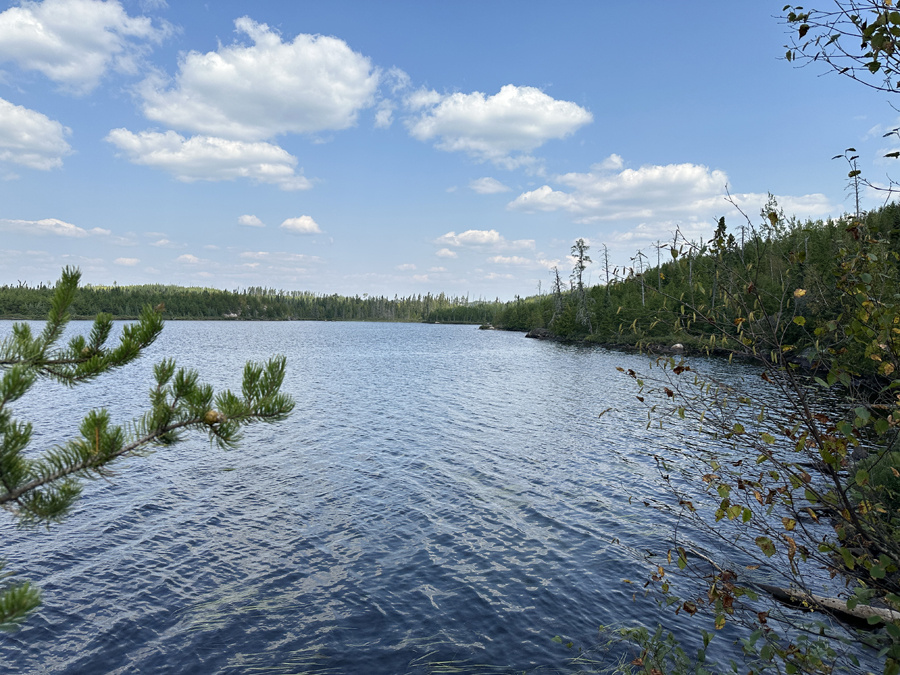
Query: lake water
pixel 442 499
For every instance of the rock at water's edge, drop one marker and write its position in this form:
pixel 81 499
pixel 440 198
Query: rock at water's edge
pixel 540 334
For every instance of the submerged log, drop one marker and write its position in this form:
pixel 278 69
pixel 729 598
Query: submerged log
pixel 835 606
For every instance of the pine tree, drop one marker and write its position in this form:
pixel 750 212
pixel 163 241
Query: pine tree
pixel 40 489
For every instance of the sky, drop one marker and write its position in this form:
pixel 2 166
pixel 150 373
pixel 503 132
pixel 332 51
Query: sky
pixel 403 147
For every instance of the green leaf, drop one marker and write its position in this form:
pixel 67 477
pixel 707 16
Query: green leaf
pixel 849 560
pixel 769 439
pixel 877 572
pixel 862 477
pixel 766 546
pixel 799 320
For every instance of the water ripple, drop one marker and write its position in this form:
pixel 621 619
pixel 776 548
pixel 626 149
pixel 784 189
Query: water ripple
pixel 442 500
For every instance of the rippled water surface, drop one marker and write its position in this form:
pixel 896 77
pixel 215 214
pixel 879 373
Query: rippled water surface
pixel 442 499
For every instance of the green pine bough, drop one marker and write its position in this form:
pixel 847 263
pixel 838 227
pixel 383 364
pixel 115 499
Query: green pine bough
pixel 40 489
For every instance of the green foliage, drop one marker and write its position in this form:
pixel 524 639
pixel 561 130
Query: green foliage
pixel 40 488
pixel 857 38
pixel 805 504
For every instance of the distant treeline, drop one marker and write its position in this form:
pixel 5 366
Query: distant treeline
pixel 255 303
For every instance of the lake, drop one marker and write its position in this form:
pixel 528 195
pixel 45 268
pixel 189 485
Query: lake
pixel 442 499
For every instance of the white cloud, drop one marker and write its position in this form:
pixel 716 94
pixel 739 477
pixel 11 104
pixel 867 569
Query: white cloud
pixel 75 42
pixel 420 278
pixel 189 259
pixel 396 79
pixel 50 226
pixel 422 98
pixel 250 221
pixel 301 225
pixel 488 186
pixel 539 263
pixel 492 128
pixel 650 193
pixel 164 243
pixel 509 260
pixel 612 163
pixel 126 262
pixel 384 115
pixel 208 158
pixel 437 269
pixel 311 84
pixel 406 267
pixel 446 253
pixel 279 257
pixel 30 138
pixel 482 238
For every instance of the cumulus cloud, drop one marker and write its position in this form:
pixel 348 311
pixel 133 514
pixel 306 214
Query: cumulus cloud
pixel 250 221
pixel 249 93
pixel 30 138
pixel 49 226
pixel 650 193
pixel 482 238
pixel 488 186
pixel 611 163
pixel 501 128
pixel 75 42
pixel 406 267
pixel 446 253
pixel 189 259
pixel 126 262
pixel 208 158
pixel 301 225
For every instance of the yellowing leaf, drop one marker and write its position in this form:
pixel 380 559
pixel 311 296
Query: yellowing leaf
pixel 799 293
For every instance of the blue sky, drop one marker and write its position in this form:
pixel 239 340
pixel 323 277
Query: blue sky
pixel 401 147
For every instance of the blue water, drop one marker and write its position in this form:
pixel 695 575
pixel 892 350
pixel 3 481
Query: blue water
pixel 442 499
